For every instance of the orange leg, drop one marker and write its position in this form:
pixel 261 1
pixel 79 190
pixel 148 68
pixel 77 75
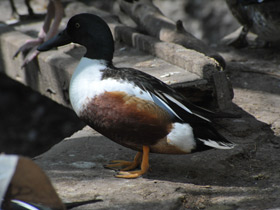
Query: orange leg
pixel 126 165
pixel 137 173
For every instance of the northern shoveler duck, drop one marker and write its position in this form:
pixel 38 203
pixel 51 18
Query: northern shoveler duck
pixel 128 106
pixel 261 17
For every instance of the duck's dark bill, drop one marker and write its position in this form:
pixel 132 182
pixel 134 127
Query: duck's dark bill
pixel 59 40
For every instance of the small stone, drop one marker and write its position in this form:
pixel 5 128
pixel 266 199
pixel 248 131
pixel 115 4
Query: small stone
pixel 83 164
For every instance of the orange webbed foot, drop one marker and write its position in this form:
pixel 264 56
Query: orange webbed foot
pixel 125 165
pixel 144 166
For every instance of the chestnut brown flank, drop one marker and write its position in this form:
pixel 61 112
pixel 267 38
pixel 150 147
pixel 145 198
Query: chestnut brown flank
pixel 124 118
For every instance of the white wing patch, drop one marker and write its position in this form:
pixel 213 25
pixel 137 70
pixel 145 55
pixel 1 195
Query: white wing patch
pixel 164 105
pixel 177 102
pixel 183 106
pixel 218 145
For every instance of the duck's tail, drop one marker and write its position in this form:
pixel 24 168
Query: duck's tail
pixel 208 137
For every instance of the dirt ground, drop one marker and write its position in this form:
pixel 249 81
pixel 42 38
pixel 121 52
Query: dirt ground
pixel 255 77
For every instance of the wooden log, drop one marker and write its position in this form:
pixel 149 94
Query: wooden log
pixel 150 19
pixel 223 91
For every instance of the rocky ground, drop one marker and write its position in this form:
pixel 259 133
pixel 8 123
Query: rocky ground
pixel 244 178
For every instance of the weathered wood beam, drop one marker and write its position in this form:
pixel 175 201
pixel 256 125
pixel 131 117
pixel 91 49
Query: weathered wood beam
pixel 151 20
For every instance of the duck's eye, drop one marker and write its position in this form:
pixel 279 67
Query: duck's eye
pixel 77 25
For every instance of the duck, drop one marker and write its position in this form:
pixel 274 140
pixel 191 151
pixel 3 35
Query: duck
pixel 128 106
pixel 261 17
